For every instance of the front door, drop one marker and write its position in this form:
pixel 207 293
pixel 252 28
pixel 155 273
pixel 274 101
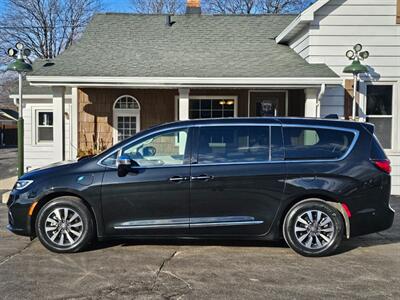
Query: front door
pixel 267 104
pixel 235 187
pixel 154 197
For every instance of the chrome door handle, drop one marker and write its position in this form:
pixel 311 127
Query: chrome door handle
pixel 202 177
pixel 177 178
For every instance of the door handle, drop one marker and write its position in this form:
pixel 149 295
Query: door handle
pixel 203 177
pixel 177 178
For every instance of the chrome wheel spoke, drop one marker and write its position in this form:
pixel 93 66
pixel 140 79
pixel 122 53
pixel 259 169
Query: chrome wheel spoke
pixel 54 235
pixel 303 237
pixel 310 216
pixel 74 216
pixel 301 220
pixel 319 244
pixel 71 240
pixel 61 242
pixel 327 239
pixel 329 229
pixel 297 229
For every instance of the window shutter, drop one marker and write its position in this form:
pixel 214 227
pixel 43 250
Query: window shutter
pixel 348 98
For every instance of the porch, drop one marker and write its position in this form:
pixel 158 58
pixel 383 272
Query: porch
pixel 102 117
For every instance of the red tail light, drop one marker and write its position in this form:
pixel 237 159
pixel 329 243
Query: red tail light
pixel 383 165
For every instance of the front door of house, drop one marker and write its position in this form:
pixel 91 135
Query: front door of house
pixel 268 104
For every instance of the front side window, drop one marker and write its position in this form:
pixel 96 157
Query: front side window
pixel 227 144
pixel 316 143
pixel 44 126
pixel 211 108
pixel 379 112
pixel 161 150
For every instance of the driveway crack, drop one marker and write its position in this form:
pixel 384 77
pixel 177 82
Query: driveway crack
pixel 11 256
pixel 164 262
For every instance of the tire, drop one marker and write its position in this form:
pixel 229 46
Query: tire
pixel 313 228
pixel 65 234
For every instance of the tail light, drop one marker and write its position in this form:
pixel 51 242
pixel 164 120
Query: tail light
pixel 383 165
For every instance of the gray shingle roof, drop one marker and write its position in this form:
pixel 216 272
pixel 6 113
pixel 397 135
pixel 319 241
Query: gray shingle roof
pixel 130 45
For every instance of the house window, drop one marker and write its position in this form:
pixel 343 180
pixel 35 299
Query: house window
pixel 126 118
pixel 379 112
pixel 203 107
pixel 44 126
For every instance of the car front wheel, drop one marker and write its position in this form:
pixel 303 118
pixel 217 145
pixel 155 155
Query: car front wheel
pixel 64 225
pixel 313 228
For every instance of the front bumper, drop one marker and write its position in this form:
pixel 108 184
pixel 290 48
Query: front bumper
pixel 19 221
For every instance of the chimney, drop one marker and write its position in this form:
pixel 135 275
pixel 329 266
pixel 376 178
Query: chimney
pixel 193 7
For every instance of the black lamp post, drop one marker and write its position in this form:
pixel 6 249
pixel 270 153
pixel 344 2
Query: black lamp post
pixel 22 66
pixel 356 68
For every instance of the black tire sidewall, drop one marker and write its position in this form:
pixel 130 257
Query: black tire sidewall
pixel 77 205
pixel 299 209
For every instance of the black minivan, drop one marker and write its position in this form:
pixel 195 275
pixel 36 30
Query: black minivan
pixel 309 181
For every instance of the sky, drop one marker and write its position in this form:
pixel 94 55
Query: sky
pixel 107 5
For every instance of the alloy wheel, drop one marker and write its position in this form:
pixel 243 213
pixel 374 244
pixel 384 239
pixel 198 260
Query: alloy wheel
pixel 314 229
pixel 64 226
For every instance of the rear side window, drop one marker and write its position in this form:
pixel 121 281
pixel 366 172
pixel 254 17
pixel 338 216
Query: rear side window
pixel 227 144
pixel 302 143
pixel 376 149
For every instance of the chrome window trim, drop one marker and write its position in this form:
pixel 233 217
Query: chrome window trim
pixel 344 156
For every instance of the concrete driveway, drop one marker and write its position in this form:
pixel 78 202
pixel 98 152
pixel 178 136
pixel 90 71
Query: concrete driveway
pixel 365 267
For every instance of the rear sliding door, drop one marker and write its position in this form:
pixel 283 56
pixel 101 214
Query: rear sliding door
pixel 237 180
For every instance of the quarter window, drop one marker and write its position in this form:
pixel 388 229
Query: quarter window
pixel 44 125
pixel 316 143
pixel 379 112
pixel 160 150
pixel 226 144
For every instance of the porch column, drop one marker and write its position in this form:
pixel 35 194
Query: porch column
pixel 311 105
pixel 74 120
pixel 183 104
pixel 59 123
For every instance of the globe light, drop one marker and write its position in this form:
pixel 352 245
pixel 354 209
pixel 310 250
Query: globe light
pixel 11 52
pixel 357 47
pixel 27 52
pixel 350 54
pixel 19 46
pixel 364 54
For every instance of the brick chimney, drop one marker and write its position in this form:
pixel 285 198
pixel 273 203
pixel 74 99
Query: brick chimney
pixel 193 7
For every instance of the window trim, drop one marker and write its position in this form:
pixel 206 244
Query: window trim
pixel 194 151
pixel 395 109
pixel 207 97
pixel 125 112
pixel 36 126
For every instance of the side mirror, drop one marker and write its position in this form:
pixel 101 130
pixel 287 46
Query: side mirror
pixel 124 165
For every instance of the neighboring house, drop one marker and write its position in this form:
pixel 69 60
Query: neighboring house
pixel 8 127
pixel 129 72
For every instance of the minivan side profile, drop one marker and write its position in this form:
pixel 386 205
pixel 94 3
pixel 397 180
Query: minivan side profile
pixel 311 182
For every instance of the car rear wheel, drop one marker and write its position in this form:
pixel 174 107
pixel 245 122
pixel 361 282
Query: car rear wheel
pixel 64 225
pixel 313 228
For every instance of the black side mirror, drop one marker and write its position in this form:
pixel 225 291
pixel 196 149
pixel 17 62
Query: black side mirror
pixel 124 165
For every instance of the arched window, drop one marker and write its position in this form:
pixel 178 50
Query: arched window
pixel 126 118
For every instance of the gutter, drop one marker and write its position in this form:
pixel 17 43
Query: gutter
pixel 180 82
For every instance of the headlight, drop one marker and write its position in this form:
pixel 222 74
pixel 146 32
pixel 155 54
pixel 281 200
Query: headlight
pixel 21 184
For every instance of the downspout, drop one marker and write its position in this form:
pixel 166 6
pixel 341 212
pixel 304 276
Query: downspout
pixel 318 104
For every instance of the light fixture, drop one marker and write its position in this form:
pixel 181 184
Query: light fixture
pixel 222 102
pixel 364 54
pixel 11 52
pixel 230 102
pixel 357 47
pixel 19 46
pixel 27 52
pixel 350 54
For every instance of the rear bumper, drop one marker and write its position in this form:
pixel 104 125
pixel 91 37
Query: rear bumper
pixel 370 221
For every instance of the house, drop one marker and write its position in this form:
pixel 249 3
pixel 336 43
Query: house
pixel 8 127
pixel 129 72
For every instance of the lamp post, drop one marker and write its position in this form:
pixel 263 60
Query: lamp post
pixel 22 66
pixel 355 68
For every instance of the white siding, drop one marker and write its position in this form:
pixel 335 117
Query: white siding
pixel 337 26
pixel 39 155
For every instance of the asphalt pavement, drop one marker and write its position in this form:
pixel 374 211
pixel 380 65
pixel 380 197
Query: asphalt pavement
pixel 364 267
